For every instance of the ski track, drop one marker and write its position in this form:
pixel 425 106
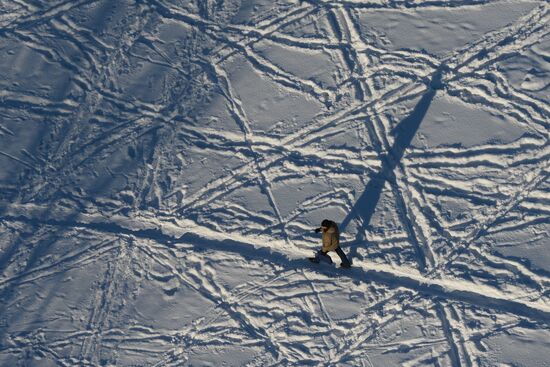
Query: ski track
pixel 286 316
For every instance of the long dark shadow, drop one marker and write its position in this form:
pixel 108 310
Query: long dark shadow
pixel 405 131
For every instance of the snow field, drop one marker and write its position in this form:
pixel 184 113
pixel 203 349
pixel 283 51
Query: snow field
pixel 163 164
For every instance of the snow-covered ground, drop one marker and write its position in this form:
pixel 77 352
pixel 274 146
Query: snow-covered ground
pixel 163 164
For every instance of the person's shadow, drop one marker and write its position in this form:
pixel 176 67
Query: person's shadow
pixel 404 132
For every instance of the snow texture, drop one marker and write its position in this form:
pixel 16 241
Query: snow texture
pixel 163 164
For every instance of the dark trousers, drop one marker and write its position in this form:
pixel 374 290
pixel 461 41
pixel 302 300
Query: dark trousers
pixel 342 255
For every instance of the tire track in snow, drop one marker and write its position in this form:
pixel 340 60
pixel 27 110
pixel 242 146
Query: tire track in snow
pixel 400 4
pixel 498 105
pixel 61 159
pixel 71 260
pixel 224 304
pixel 239 114
pixel 255 247
pixel 509 39
pixel 364 329
pixel 391 156
pixel 101 307
pixel 211 291
pixel 270 26
pixel 346 26
pixel 531 182
pixel 310 133
pixel 20 161
pixel 448 331
pixel 526 21
pixel 147 233
pixel 41 16
pixel 300 139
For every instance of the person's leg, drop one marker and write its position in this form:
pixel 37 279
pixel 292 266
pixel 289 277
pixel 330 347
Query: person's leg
pixel 324 257
pixel 343 257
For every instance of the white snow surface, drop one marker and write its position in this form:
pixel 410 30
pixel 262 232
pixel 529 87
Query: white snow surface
pixel 163 164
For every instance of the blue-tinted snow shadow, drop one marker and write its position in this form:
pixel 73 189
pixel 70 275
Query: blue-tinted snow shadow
pixel 404 132
pixel 38 249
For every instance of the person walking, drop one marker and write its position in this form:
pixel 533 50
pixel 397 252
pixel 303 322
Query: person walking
pixel 331 242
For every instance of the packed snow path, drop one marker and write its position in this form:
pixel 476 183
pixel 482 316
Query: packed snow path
pixel 163 164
